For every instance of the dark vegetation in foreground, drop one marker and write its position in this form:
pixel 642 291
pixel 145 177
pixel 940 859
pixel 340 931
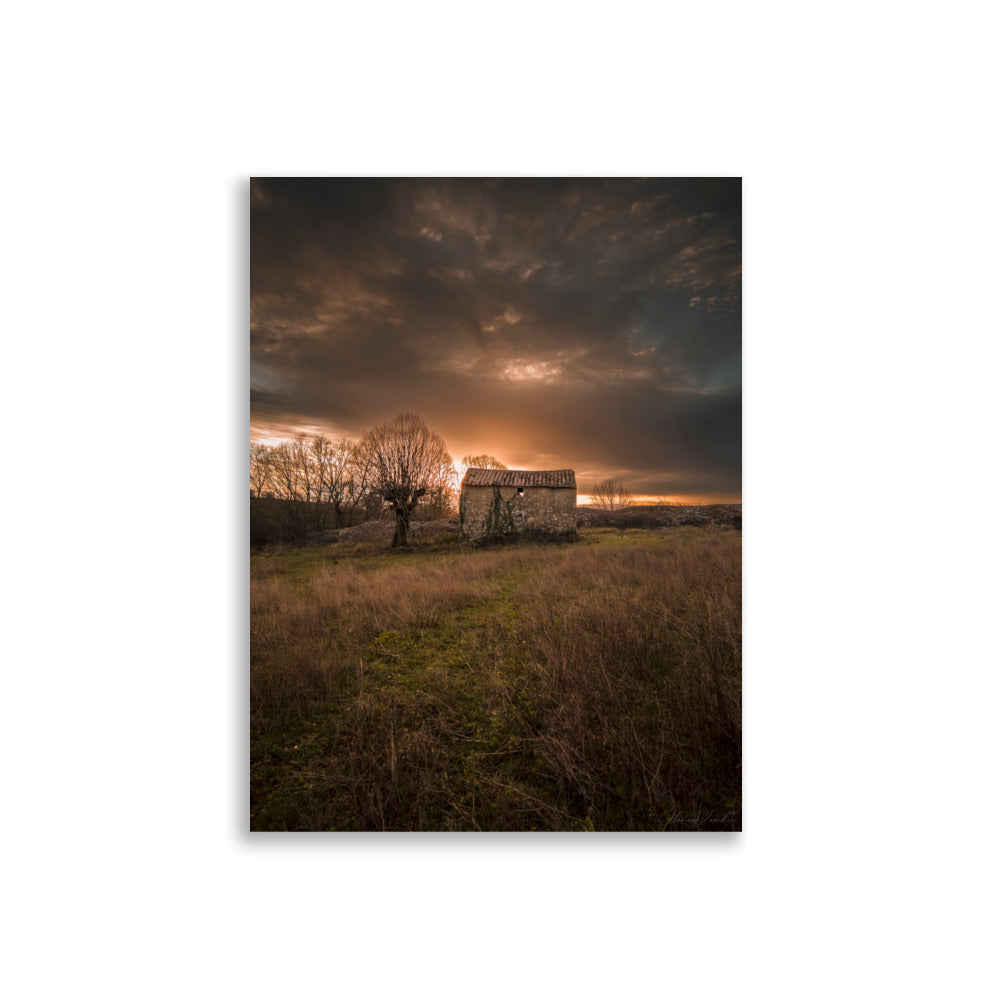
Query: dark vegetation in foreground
pixel 585 686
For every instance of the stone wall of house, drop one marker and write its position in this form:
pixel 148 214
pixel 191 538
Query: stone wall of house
pixel 538 509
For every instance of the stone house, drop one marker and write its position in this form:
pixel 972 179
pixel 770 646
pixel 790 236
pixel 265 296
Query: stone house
pixel 495 502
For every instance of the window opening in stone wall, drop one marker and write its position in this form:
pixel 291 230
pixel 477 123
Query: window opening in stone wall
pixel 520 491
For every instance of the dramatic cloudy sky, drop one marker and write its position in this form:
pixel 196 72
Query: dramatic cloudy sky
pixel 585 324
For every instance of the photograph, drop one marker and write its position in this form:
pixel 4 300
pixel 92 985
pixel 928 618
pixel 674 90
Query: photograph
pixel 495 504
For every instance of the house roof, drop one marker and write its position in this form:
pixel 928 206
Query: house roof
pixel 559 479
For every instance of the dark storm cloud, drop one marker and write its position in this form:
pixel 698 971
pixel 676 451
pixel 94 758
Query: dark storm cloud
pixel 590 323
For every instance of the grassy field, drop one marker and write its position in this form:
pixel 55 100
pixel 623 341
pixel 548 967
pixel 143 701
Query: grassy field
pixel 592 685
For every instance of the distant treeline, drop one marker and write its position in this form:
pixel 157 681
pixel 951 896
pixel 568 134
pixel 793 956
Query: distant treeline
pixel 312 483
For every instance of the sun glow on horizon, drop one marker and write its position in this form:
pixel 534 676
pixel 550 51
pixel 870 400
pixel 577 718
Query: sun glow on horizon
pixel 668 500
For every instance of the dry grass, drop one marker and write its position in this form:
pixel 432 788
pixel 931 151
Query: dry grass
pixel 587 686
pixel 307 634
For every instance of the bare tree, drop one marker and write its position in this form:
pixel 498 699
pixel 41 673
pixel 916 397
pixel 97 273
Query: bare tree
pixel 284 474
pixel 409 461
pixel 260 468
pixel 306 471
pixel 482 462
pixel 610 494
pixel 359 476
pixel 294 479
pixel 333 473
pixel 442 495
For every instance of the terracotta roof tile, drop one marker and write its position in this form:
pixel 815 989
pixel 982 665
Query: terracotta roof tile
pixel 560 479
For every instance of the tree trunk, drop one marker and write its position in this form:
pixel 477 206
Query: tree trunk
pixel 402 527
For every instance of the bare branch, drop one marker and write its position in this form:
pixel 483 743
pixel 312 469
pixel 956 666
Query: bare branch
pixel 611 495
